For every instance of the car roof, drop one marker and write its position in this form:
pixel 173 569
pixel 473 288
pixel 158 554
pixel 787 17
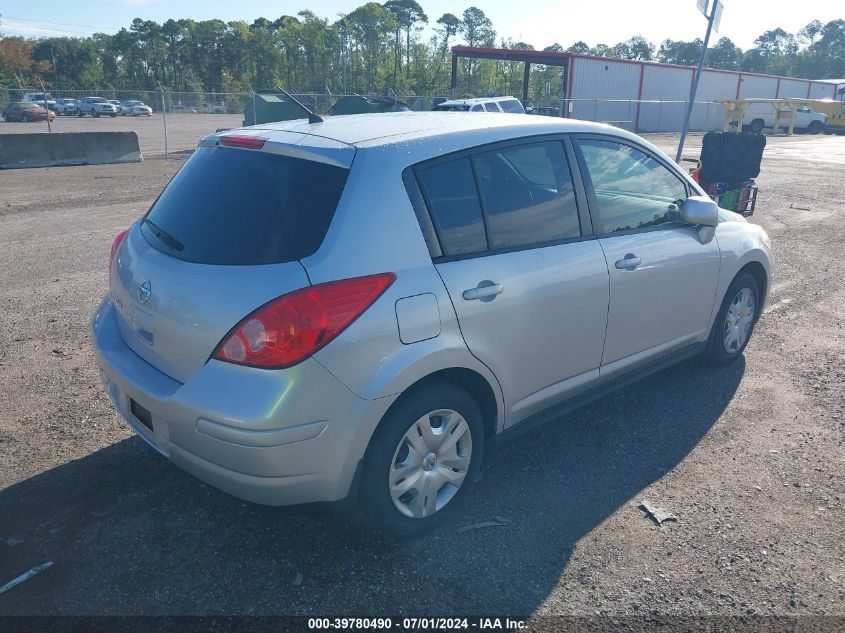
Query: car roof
pixel 390 128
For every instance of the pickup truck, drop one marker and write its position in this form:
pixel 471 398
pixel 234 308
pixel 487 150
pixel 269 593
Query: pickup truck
pixel 95 106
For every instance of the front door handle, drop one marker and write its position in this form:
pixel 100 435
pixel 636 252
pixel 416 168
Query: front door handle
pixel 629 262
pixel 485 291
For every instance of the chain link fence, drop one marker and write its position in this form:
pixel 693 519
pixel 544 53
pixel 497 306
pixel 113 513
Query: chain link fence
pixel 179 119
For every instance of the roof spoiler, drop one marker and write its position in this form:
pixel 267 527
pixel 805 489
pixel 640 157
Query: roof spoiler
pixel 313 117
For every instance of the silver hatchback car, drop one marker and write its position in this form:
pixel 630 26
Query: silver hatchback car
pixel 365 306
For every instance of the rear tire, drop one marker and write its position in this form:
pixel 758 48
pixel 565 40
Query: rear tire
pixel 757 126
pixel 735 320
pixel 422 460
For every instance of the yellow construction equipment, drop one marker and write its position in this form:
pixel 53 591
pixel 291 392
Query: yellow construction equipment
pixel 835 111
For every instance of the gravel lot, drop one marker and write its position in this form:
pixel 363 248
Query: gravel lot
pixel 750 458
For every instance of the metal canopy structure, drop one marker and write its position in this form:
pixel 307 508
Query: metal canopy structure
pixel 528 57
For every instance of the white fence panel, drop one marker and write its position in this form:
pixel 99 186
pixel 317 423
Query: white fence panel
pixel 793 88
pixel 757 87
pixel 671 87
pixel 820 90
pixel 712 86
pixel 601 80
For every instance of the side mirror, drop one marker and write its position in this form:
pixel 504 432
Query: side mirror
pixel 700 211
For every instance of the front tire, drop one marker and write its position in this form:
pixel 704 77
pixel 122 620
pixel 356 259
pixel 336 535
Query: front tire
pixel 422 460
pixel 815 127
pixel 735 321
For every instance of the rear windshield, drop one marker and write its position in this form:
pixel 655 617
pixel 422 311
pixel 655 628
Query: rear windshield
pixel 244 207
pixel 512 105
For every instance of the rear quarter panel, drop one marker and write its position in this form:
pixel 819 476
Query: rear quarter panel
pixel 375 230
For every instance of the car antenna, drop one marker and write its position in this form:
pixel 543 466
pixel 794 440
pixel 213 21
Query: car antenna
pixel 313 117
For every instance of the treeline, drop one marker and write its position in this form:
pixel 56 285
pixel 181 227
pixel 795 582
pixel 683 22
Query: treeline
pixel 375 48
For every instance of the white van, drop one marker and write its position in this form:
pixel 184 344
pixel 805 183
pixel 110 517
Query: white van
pixel 760 115
pixel 483 104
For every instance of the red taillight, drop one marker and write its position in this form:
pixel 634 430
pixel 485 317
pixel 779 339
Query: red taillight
pixel 246 142
pixel 291 328
pixel 114 246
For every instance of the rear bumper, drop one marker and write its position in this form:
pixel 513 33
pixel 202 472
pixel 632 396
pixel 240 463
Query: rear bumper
pixel 275 437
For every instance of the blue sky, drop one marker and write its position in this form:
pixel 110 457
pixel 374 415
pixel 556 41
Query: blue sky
pixel 538 22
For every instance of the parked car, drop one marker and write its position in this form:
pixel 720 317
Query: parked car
pixel 761 115
pixel 134 108
pixel 40 98
pixel 66 107
pixel 95 106
pixel 364 306
pixel 486 104
pixel 26 111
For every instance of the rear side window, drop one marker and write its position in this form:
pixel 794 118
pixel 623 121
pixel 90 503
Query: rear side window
pixel 512 105
pixel 490 107
pixel 243 207
pixel 527 195
pixel 451 196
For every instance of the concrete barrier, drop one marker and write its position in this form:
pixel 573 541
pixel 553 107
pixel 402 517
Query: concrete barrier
pixel 20 151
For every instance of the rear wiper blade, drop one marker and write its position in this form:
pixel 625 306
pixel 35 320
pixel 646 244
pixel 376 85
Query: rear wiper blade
pixel 164 236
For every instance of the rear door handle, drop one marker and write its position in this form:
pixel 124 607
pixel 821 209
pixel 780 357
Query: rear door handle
pixel 629 262
pixel 484 290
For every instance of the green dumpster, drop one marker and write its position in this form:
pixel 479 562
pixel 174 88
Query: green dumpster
pixel 272 107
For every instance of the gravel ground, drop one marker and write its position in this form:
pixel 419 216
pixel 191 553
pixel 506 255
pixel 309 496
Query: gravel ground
pixel 749 458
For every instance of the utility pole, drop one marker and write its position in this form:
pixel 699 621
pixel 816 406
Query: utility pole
pixel 715 15
pixel 164 118
pixel 55 70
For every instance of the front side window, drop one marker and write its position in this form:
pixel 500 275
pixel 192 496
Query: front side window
pixel 633 190
pixel 527 195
